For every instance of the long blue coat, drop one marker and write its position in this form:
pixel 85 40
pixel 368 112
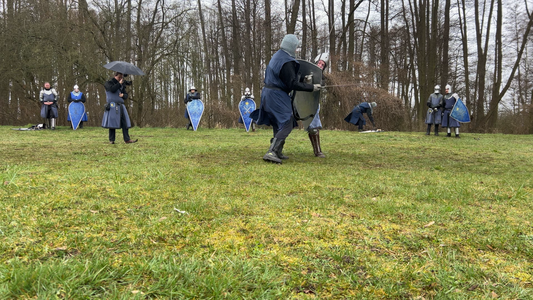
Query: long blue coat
pixel 276 105
pixel 447 121
pixel 357 114
pixel 117 116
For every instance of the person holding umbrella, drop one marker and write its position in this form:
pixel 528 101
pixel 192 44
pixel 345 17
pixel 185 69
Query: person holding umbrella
pixel 115 114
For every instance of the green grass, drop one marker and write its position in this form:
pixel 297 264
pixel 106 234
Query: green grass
pixel 385 216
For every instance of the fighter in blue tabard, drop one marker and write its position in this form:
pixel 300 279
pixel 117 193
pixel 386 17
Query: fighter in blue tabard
pixel 77 96
pixel 191 95
pixel 281 77
pixel 247 95
pixel 434 114
pixel 48 98
pixel 356 116
pixel 448 101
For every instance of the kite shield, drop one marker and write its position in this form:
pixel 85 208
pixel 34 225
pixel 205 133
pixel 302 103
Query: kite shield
pixel 76 111
pixel 305 104
pixel 246 107
pixel 195 109
pixel 460 112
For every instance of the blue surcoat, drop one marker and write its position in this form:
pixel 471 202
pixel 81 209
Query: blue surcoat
pixel 357 114
pixel 117 116
pixel 276 105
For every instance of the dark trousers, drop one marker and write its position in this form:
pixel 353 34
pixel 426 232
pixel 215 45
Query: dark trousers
pixel 360 124
pixel 125 133
pixel 283 132
pixel 123 126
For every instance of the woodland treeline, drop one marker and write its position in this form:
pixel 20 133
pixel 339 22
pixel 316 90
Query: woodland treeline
pixel 391 52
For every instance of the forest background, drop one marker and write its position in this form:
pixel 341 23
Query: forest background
pixel 391 52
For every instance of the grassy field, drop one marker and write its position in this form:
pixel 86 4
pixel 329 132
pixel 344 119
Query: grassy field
pixel 185 214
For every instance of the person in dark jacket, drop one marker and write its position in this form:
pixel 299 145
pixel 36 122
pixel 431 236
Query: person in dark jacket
pixel 77 96
pixel 281 78
pixel 356 116
pixel 191 95
pixel 115 115
pixel 48 97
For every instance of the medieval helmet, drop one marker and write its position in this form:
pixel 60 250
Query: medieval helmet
pixel 373 104
pixel 323 56
pixel 192 88
pixel 449 88
pixel 247 91
pixel 76 87
pixel 437 89
pixel 289 44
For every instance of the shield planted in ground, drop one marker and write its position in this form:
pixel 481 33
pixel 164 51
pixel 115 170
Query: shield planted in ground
pixel 195 109
pixel 76 111
pixel 246 107
pixel 306 103
pixel 460 112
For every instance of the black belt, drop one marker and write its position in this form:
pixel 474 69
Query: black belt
pixel 274 88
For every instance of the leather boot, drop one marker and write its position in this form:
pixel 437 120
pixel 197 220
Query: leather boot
pixel 315 142
pixel 280 155
pixel 436 129
pixel 272 153
pixel 428 130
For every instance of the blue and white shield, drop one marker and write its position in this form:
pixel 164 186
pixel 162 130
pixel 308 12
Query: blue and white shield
pixel 246 107
pixel 460 112
pixel 76 111
pixel 195 109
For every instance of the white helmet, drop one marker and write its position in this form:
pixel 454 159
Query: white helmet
pixel 323 56
pixel 247 91
pixel 76 87
pixel 437 89
pixel 449 88
pixel 192 88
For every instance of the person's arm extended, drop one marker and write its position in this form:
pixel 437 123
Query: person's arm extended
pixel 288 75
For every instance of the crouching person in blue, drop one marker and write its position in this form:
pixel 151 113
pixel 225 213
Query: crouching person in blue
pixel 356 116
pixel 77 96
pixel 48 98
pixel 115 115
pixel 448 102
pixel 191 95
pixel 276 107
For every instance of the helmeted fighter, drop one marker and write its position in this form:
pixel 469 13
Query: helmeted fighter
pixel 434 114
pixel 448 101
pixel 313 129
pixel 48 98
pixel 356 116
pixel 276 107
pixel 193 94
pixel 77 96
pixel 247 95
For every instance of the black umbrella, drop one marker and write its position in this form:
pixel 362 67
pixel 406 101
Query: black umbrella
pixel 124 68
